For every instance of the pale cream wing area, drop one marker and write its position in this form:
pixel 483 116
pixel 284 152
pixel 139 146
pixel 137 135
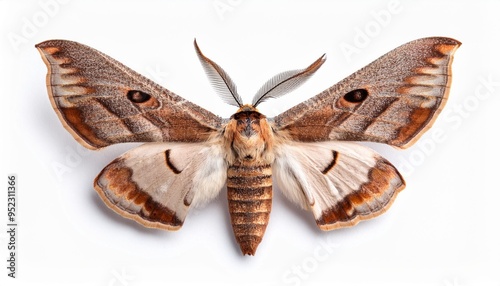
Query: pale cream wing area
pixel 342 183
pixel 157 183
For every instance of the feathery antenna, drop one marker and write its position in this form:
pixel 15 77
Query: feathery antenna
pixel 285 82
pixel 220 80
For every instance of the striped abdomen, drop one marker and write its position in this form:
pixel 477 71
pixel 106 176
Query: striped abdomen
pixel 249 193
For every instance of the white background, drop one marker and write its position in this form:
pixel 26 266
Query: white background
pixel 442 230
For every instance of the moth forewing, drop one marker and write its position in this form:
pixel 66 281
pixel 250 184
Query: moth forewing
pixel 102 102
pixel 393 100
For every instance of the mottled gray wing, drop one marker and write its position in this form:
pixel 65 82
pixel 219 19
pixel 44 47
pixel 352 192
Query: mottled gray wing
pixel 102 102
pixel 393 100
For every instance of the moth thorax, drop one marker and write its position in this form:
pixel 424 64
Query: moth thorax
pixel 251 136
pixel 249 194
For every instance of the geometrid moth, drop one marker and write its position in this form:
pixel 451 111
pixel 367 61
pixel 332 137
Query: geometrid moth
pixel 307 149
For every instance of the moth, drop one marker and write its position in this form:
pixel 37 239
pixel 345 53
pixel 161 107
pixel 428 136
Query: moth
pixel 308 150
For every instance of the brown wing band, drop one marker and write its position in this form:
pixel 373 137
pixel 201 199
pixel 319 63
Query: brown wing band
pixel 384 184
pixel 119 189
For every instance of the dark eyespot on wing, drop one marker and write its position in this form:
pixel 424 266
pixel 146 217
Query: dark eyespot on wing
pixel 356 96
pixel 137 96
pixel 352 100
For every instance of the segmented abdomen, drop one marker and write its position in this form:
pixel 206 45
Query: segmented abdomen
pixel 249 193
